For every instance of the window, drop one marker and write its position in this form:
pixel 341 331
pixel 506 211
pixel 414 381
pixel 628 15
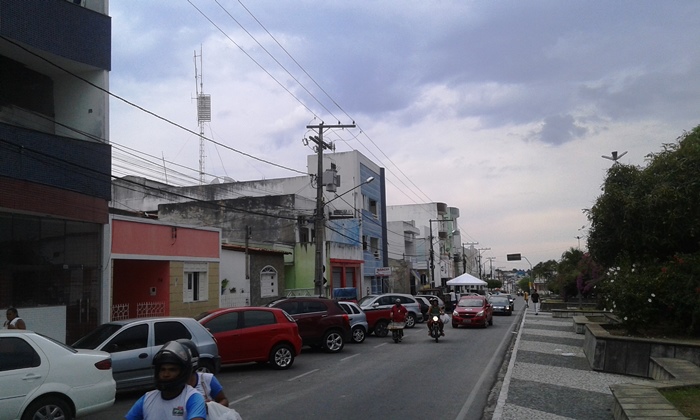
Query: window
pixel 258 318
pixel 314 307
pixel 196 287
pixel 132 338
pixel 16 353
pixel 225 322
pixel 169 331
pixel 291 308
pixel 364 242
pixel 373 207
pixel 268 282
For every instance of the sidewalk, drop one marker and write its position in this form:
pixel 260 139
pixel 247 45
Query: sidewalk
pixel 548 376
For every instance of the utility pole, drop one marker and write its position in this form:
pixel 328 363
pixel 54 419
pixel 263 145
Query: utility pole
pixel 479 259
pixel 319 223
pixel 491 265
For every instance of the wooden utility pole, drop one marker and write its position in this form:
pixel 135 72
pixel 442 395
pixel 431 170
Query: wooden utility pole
pixel 319 222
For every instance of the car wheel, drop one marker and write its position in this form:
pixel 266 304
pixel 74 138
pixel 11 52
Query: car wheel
pixel 380 329
pixel 333 341
pixel 205 366
pixel 455 325
pixel 48 408
pixel 358 334
pixel 410 320
pixel 491 320
pixel 282 357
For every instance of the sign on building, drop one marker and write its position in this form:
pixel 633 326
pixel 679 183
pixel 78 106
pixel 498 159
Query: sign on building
pixel 382 271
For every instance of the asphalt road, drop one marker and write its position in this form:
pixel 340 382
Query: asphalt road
pixel 378 379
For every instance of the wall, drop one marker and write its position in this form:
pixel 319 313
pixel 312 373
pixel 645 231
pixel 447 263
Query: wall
pixel 233 269
pixel 180 308
pixel 133 280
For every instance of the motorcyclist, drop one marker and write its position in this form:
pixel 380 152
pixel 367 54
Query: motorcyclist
pixel 435 309
pixel 398 314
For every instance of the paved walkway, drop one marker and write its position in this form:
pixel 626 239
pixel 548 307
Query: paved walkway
pixel 548 376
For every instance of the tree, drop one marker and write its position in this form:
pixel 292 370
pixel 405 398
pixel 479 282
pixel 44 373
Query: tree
pixel 567 272
pixel 645 232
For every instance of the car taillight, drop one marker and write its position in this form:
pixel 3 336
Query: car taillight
pixel 104 364
pixel 347 318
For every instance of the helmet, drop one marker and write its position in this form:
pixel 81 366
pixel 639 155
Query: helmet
pixel 433 300
pixel 194 352
pixel 174 353
pixel 397 300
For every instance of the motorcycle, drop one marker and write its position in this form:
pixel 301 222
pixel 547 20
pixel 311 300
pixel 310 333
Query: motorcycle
pixel 396 331
pixel 435 328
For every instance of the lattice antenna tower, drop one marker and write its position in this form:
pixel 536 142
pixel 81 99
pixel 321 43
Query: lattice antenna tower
pixel 203 110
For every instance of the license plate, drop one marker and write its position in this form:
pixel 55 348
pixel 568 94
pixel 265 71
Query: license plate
pixel 466 321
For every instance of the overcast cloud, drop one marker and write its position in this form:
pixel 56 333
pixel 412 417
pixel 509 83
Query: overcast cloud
pixel 502 109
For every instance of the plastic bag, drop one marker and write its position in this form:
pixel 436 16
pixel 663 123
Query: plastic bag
pixel 445 318
pixel 216 411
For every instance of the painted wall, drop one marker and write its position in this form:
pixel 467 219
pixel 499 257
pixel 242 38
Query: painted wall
pixel 133 280
pixel 131 237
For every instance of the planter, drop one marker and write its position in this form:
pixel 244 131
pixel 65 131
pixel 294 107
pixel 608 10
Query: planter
pixel 631 355
pixel 548 305
pixel 572 312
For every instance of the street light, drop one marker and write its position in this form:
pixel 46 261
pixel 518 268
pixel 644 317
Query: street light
pixel 320 228
pixel 516 257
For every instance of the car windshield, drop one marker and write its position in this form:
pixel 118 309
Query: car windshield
pixel 500 301
pixel 97 336
pixel 470 303
pixel 365 299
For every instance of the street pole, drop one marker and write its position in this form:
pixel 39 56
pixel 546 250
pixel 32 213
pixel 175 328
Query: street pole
pixel 319 222
pixel 432 257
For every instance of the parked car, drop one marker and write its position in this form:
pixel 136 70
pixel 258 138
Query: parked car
pixel 472 310
pixel 132 344
pixel 358 320
pixel 501 305
pixel 43 378
pixel 254 334
pixel 322 322
pixel 387 300
pixel 424 305
pixel 428 297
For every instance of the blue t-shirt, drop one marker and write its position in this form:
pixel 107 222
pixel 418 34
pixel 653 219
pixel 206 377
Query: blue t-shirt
pixel 186 406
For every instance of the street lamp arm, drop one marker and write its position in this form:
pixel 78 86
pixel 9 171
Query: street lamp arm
pixel 367 181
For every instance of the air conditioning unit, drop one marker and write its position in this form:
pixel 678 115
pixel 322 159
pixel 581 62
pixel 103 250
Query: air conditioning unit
pixel 376 255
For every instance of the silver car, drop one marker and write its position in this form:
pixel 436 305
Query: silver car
pixel 358 320
pixel 387 300
pixel 132 344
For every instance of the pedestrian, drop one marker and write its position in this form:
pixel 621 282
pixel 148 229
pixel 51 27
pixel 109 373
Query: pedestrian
pixel 172 398
pixel 526 297
pixel 535 300
pixel 14 322
pixel 205 383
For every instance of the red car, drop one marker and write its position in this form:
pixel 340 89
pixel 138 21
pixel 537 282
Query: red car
pixel 472 310
pixel 254 334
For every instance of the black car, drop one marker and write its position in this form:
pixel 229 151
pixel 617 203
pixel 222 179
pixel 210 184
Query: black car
pixel 322 322
pixel 500 305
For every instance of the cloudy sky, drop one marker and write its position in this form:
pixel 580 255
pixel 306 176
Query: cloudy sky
pixel 502 109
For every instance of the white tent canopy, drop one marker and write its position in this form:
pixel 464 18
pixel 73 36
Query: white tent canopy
pixel 466 279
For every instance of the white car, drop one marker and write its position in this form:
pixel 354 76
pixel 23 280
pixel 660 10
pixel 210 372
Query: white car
pixel 43 378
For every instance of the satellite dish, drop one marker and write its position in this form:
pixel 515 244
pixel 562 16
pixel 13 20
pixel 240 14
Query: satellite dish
pixel 214 181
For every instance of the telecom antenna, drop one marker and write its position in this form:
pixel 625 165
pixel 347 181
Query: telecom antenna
pixel 203 110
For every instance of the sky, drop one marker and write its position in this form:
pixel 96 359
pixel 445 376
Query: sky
pixel 503 109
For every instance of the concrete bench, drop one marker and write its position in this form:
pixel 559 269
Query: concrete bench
pixel 637 402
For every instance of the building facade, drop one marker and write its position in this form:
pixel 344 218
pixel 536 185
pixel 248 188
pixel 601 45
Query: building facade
pixel 55 162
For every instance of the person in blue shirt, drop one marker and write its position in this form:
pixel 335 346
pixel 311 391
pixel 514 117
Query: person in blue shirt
pixel 172 398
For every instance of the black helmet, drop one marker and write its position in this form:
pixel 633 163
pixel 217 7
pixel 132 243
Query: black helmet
pixel 397 300
pixel 174 353
pixel 433 300
pixel 194 352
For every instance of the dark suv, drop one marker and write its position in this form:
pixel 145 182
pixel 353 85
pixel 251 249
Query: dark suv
pixel 322 322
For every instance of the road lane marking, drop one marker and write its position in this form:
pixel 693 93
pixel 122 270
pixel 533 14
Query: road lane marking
pixel 241 399
pixel 379 345
pixel 302 375
pixel 349 357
